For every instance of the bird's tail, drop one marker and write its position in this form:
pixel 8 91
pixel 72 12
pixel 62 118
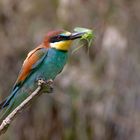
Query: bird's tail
pixel 6 102
pixel 2 103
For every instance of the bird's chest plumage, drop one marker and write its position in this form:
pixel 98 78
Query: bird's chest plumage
pixel 53 63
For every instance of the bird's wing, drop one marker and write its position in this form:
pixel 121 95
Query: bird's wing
pixel 33 60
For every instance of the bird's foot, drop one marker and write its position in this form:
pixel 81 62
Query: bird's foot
pixel 47 85
pixel 41 82
pixel 50 85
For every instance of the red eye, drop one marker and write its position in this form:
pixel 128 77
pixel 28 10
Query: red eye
pixel 58 37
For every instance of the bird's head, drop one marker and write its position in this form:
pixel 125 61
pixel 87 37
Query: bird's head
pixel 60 39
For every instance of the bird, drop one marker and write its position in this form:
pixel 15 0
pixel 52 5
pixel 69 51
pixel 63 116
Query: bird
pixel 45 61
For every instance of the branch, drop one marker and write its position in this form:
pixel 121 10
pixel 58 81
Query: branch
pixel 42 86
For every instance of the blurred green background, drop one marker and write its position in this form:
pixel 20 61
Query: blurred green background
pixel 97 96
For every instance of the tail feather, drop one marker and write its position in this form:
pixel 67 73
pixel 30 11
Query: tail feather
pixel 2 103
pixel 8 99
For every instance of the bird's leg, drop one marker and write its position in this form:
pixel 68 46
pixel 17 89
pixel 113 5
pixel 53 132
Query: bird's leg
pixel 41 80
pixel 46 84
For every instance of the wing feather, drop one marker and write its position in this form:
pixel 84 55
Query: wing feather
pixel 34 58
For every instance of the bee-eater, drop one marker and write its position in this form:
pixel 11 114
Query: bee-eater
pixel 46 61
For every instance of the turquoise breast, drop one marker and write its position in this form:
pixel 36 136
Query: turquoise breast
pixel 53 63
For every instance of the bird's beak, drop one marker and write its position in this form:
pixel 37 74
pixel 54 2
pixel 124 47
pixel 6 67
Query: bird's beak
pixel 76 35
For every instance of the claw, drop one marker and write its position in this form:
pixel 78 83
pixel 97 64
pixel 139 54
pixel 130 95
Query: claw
pixel 47 85
pixel 41 82
pixel 49 82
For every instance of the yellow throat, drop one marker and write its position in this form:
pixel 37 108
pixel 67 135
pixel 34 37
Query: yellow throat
pixel 62 45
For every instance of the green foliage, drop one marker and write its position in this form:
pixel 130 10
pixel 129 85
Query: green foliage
pixel 87 37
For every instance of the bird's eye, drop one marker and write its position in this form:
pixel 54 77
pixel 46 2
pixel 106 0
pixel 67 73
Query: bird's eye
pixel 58 37
pixel 54 39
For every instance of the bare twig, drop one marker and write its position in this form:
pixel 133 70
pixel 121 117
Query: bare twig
pixel 41 84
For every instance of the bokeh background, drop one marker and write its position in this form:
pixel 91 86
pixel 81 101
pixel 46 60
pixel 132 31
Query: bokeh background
pixel 97 96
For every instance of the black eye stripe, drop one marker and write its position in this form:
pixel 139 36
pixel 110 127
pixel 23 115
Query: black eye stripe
pixel 53 39
pixel 59 38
